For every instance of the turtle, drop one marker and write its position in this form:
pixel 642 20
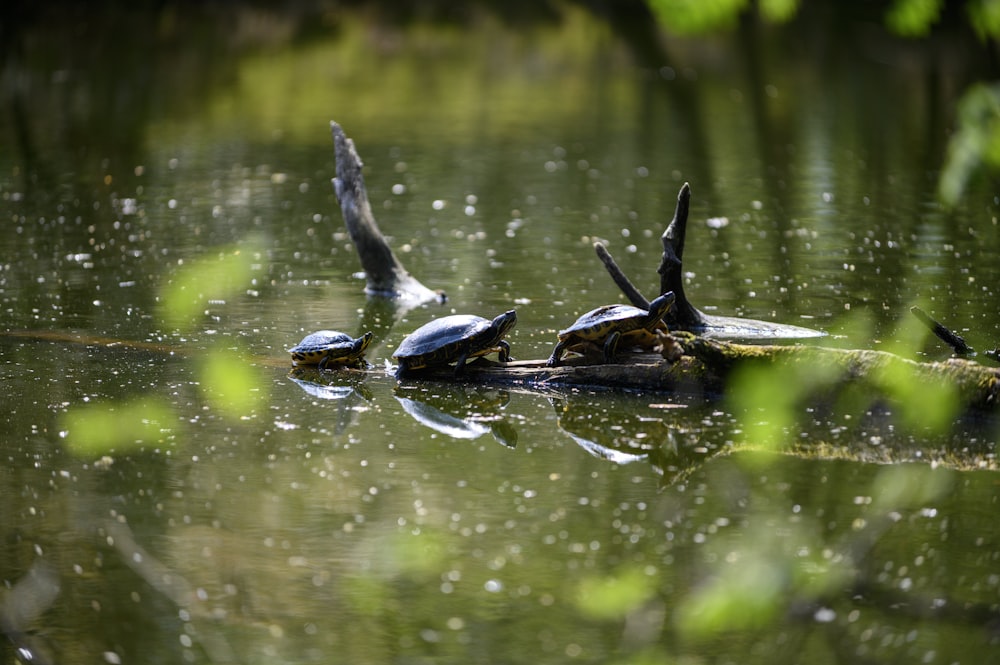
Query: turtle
pixel 608 326
pixel 454 339
pixel 327 348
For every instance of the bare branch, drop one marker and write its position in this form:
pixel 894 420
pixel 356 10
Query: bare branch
pixel 953 340
pixel 385 275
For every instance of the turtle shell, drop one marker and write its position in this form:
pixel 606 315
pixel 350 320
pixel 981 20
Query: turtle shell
pixel 448 338
pixel 327 347
pixel 607 325
pixel 597 323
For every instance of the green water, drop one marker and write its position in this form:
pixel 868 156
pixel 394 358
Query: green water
pixel 171 493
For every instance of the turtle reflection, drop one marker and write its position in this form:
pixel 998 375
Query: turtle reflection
pixel 460 412
pixel 625 432
pixel 326 386
pixel 347 395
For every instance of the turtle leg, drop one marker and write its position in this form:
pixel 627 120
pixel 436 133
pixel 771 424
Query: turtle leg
pixel 611 346
pixel 323 363
pixel 503 351
pixel 556 356
pixel 460 363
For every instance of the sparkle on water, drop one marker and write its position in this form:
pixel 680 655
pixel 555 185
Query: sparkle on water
pixel 172 486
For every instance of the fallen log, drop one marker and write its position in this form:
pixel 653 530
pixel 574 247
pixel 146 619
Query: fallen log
pixel 706 365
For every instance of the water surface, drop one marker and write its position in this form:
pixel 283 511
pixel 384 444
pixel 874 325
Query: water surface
pixel 173 493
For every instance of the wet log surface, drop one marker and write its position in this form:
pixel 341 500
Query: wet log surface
pixel 642 372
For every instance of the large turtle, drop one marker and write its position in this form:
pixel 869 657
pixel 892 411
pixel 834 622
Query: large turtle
pixel 609 326
pixel 330 347
pixel 454 339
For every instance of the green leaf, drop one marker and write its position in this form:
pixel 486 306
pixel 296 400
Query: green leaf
pixel 779 11
pixel 205 282
pixel 93 430
pixel 231 383
pixel 975 146
pixel 920 403
pixel 614 597
pixel 985 18
pixel 769 396
pixel 910 487
pixel 913 18
pixel 744 596
pixel 696 16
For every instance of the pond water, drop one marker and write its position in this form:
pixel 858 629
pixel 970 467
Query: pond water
pixel 171 492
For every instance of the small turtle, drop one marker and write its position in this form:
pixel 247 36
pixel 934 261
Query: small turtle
pixel 331 348
pixel 606 327
pixel 454 339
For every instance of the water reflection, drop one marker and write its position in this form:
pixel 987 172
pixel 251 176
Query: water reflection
pixel 345 389
pixel 633 430
pixel 460 412
pixel 29 598
pixel 610 436
pixel 327 385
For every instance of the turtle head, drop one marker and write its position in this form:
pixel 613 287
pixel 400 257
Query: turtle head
pixel 659 307
pixel 504 323
pixel 361 343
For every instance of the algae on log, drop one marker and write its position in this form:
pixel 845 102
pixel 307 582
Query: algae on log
pixel 975 385
pixel 384 273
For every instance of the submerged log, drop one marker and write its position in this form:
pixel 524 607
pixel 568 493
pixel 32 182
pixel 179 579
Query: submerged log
pixel 384 273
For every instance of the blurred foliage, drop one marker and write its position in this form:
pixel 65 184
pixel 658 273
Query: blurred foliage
pixel 701 16
pixel 919 404
pixel 745 596
pixel 197 291
pixel 206 283
pixel 913 18
pixel 228 380
pixel 985 17
pixel 99 429
pixel 907 18
pixel 758 580
pixel 771 397
pixel 975 147
pixel 231 382
pixel 910 487
pixel 688 17
pixel 616 596
pixel 778 10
